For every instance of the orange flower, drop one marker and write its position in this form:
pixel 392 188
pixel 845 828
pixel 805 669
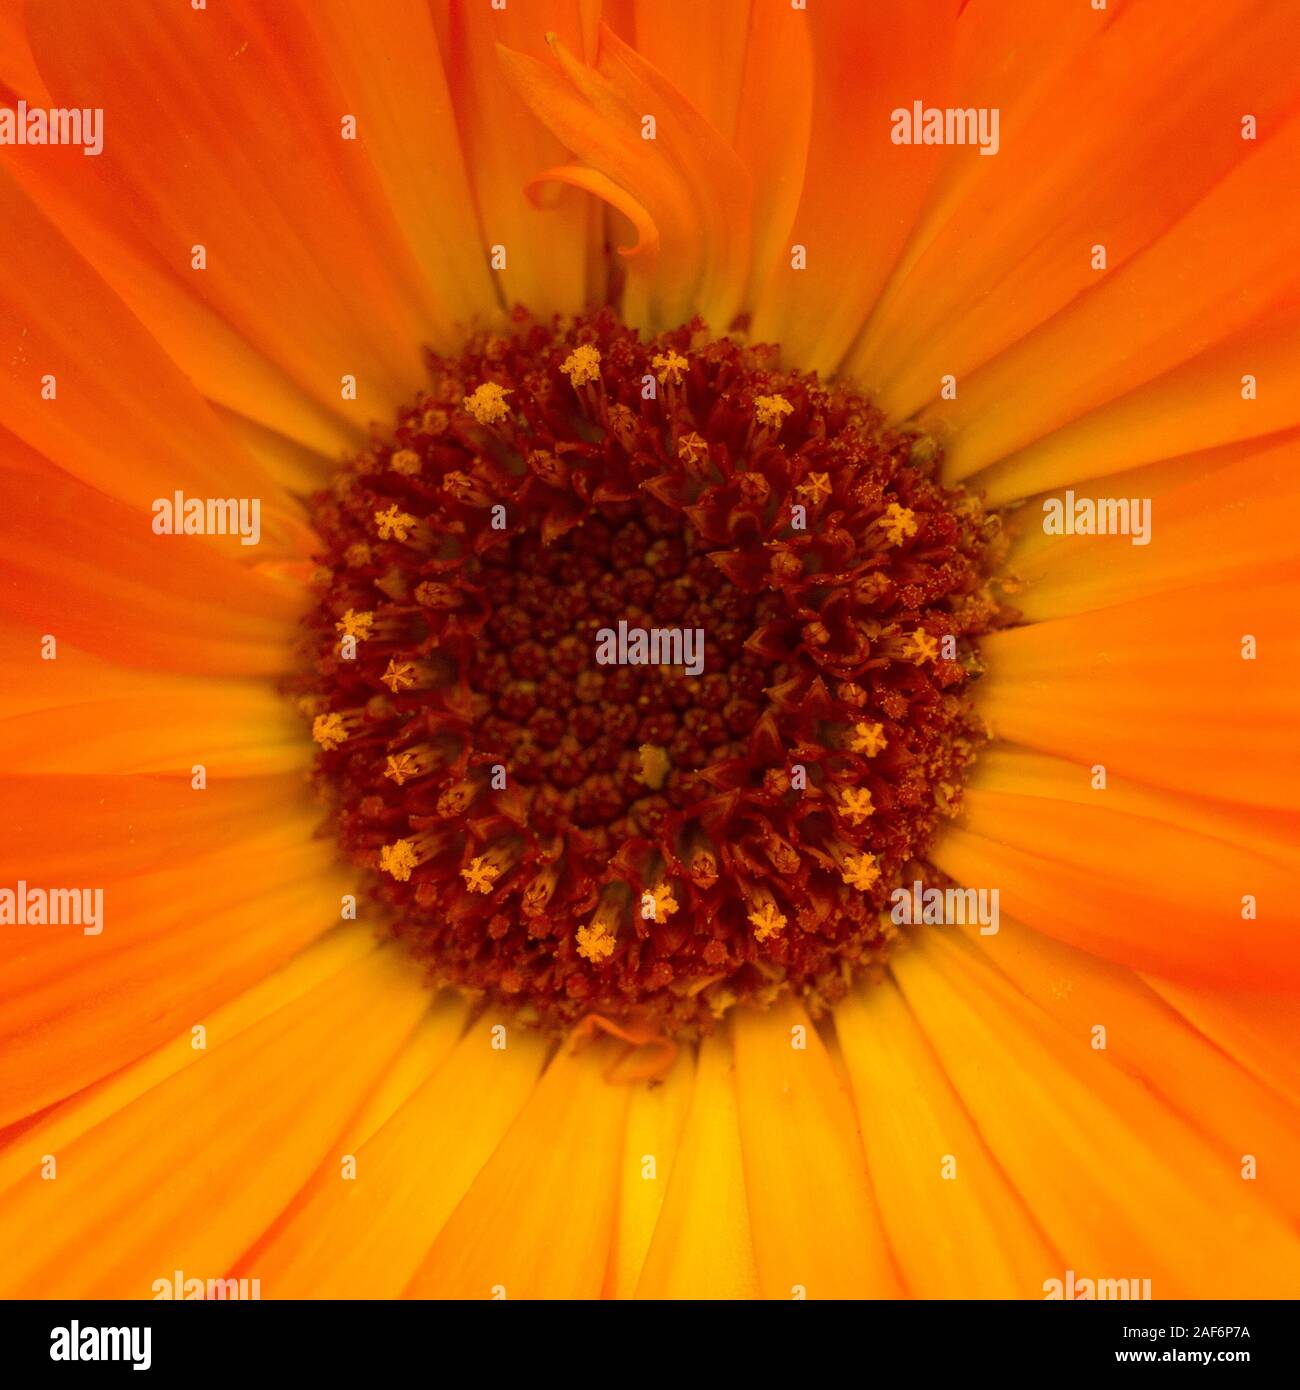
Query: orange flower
pixel 232 1071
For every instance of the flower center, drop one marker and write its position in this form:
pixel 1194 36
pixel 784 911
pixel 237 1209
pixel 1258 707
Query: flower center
pixel 641 672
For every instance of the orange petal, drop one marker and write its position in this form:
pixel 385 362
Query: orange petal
pixel 655 1120
pixel 1155 881
pixel 54 1130
pixel 702 1246
pixel 538 1220
pixel 505 146
pixel 1236 1111
pixel 324 252
pixel 188 1175
pixel 1213 275
pixel 692 186
pixel 86 569
pixel 1198 404
pixel 817 1232
pixel 75 1006
pixel 1157 690
pixel 1257 1029
pixel 774 128
pixel 957 1227
pixel 1011 244
pixel 1120 1184
pixel 862 193
pixel 1214 516
pixel 365 1238
pixel 88 388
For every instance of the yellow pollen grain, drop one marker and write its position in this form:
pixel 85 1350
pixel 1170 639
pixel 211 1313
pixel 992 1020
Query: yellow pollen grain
pixel 399 676
pixel 814 487
pixel 398 859
pixel 488 403
pixel 457 484
pixel 595 942
pixel 855 804
pixel 771 410
pixel 860 871
pixel 669 367
pixel 479 875
pixel 394 525
pixel 692 448
pixel 767 921
pixel 400 766
pixel 328 731
pixel 655 766
pixel 869 739
pixel 582 365
pixel 405 461
pixel 898 523
pixel 921 647
pixel 662 902
pixel 358 625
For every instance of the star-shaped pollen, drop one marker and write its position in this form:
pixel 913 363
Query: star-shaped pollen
pixel 488 403
pixel 669 367
pixel 595 942
pixel 860 871
pixel 479 875
pixel 399 859
pixel 855 805
pixel 662 902
pixel 582 365
pixel 771 410
pixel 400 767
pixel 814 487
pixel 898 523
pixel 459 485
pixel 328 730
pixel 394 525
pixel 399 676
pixel 767 921
pixel 921 647
pixel 357 625
pixel 869 739
pixel 692 448
pixel 406 462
